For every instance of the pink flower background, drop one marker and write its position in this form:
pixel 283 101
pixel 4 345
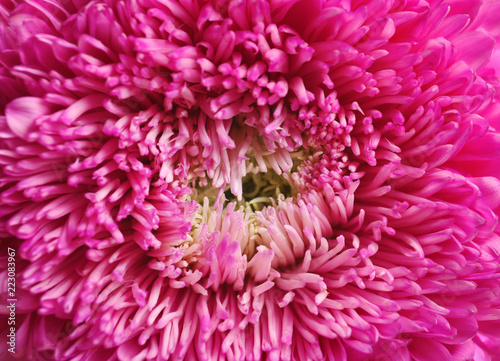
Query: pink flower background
pixel 250 179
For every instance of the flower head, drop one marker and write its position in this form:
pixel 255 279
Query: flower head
pixel 252 179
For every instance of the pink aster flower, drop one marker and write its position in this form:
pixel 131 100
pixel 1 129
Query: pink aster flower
pixel 251 179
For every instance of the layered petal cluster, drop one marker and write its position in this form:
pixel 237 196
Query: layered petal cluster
pixel 251 179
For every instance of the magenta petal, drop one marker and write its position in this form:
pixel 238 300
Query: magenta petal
pixel 490 190
pixel 486 147
pixel 464 351
pixel 474 47
pixel 480 354
pixel 466 329
pixel 491 247
pixel 302 12
pixel 488 17
pixel 426 349
pixel 481 167
pixel 129 351
pixel 22 112
pixel 453 25
pixel 468 7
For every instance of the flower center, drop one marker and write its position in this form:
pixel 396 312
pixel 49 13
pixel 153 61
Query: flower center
pixel 261 189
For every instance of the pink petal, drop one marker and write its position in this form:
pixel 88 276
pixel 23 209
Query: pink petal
pixel 468 7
